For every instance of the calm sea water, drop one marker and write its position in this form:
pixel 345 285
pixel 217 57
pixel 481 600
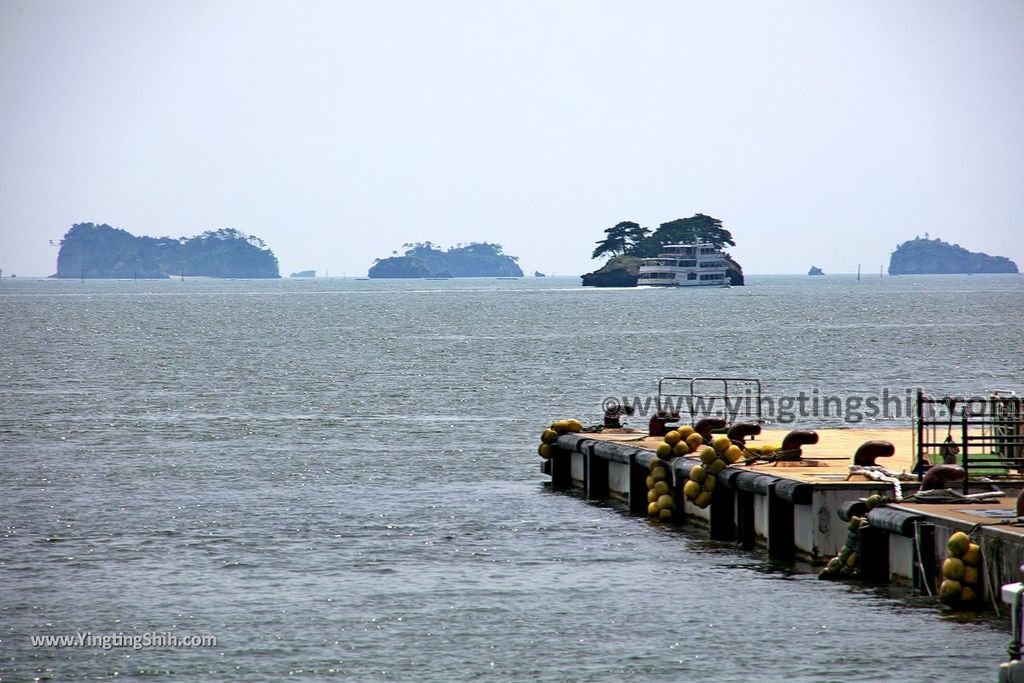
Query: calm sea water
pixel 338 479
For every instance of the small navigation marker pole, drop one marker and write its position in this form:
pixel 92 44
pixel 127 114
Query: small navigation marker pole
pixel 880 271
pixel 182 274
pixel 858 272
pixel 82 274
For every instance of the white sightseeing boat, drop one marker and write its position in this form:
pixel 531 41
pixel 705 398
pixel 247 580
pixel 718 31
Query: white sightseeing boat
pixel 685 265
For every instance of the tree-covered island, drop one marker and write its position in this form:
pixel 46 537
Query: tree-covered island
pixel 100 251
pixel 924 256
pixel 424 259
pixel 627 243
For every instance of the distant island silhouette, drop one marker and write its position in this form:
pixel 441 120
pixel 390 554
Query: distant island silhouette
pixel 815 270
pixel 924 256
pixel 424 259
pixel 100 251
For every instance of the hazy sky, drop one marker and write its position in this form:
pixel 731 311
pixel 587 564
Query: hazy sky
pixel 819 132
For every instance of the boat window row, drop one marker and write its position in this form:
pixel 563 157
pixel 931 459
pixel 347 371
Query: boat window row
pixel 670 263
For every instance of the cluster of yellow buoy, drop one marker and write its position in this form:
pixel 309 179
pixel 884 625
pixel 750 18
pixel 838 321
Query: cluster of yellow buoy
pixel 761 449
pixel 660 503
pixel 844 565
pixel 960 571
pixel 551 434
pixel 713 459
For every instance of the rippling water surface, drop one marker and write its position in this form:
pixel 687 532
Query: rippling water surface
pixel 338 479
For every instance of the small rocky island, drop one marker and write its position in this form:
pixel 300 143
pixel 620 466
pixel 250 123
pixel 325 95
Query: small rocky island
pixel 304 273
pixel 422 260
pixel 627 244
pixel 924 256
pixel 100 251
pixel 815 270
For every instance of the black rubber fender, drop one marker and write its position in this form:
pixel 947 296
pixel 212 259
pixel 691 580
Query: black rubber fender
pixel 797 492
pixel 894 521
pixel 851 509
pixel 754 482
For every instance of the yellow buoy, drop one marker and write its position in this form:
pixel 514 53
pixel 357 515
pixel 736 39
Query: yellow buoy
pixel 549 436
pixel 574 425
pixel 949 591
pixel 560 426
pixel 545 451
pixel 664 450
pixel 709 483
pixel 694 440
pixel 652 509
pixel 716 467
pixel 953 568
pixel 721 442
pixel 681 449
pixel 652 497
pixel 973 554
pixel 691 489
pixel 685 431
pixel 673 437
pixel 661 487
pixel 971 575
pixel 958 544
pixel 697 473
pixel 665 502
pixel 708 455
pixel 659 474
pixel 733 453
pixel 703 500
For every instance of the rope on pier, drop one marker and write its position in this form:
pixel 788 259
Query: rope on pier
pixel 949 496
pixel 920 564
pixel 879 473
pixel 791 455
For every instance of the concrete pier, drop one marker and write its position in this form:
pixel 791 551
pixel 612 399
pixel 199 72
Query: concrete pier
pixel 799 510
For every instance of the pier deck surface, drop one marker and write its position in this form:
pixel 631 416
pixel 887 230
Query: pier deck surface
pixel 999 513
pixel 826 462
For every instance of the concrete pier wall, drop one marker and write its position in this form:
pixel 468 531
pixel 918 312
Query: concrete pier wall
pixel 791 518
